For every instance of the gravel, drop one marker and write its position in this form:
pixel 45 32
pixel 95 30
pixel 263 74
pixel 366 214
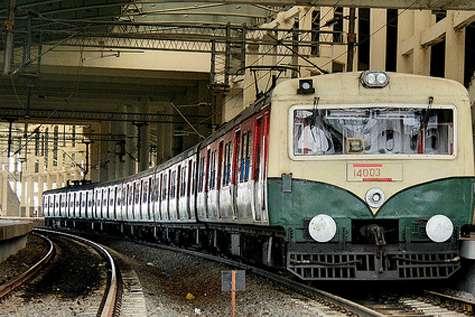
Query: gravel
pixel 71 286
pixel 176 284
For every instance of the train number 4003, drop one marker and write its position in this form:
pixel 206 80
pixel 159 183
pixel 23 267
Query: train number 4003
pixel 367 172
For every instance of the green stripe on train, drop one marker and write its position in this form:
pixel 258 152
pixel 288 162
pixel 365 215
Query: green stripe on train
pixel 452 197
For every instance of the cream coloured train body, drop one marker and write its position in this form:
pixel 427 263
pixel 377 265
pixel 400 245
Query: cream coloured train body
pixel 342 176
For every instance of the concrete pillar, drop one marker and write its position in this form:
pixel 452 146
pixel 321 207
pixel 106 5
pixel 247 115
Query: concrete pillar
pixel 31 196
pixel 454 51
pixel 131 143
pixel 23 195
pixel 59 180
pixel 119 129
pixel 40 195
pixel 104 159
pixel 378 39
pixel 143 132
pixel 49 182
pixel 144 147
pixel 111 157
pixel 4 192
pixel 421 55
pixel 164 139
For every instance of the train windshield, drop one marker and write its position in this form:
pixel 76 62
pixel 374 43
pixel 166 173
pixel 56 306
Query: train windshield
pixel 318 132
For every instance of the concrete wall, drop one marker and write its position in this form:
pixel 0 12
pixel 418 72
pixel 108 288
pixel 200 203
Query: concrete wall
pixel 11 247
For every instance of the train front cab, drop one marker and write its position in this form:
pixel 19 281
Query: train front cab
pixel 376 206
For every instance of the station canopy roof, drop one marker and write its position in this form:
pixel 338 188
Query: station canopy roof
pixel 54 20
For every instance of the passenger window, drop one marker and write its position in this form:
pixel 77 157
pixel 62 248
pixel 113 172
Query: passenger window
pixel 183 181
pixel 212 172
pixel 201 174
pixel 227 164
pixel 245 156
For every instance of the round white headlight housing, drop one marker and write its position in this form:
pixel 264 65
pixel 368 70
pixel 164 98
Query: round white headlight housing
pixel 371 79
pixel 381 78
pixel 322 228
pixel 375 197
pixel 439 228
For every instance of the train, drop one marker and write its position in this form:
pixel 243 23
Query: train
pixel 345 176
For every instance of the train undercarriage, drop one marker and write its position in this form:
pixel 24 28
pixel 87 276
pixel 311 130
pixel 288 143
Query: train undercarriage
pixel 307 261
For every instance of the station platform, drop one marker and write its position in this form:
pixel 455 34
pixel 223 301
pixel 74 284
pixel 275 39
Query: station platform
pixel 13 236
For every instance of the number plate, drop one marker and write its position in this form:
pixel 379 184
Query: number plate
pixel 373 172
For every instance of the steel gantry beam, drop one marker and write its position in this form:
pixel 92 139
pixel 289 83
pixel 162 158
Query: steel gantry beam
pixel 57 115
pixel 389 4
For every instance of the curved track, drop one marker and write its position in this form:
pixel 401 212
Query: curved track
pixel 110 298
pixel 31 272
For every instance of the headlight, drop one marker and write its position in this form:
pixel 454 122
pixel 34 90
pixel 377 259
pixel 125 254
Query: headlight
pixel 322 228
pixel 439 228
pixel 375 197
pixel 374 79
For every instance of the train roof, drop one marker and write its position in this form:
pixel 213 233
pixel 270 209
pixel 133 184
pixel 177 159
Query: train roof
pixel 223 129
pixel 417 87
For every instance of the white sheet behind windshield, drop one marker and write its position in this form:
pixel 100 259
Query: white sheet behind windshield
pixel 373 131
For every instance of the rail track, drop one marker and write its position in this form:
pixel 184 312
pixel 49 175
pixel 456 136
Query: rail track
pixel 29 274
pixel 422 303
pixel 425 303
pixel 110 299
pixel 339 305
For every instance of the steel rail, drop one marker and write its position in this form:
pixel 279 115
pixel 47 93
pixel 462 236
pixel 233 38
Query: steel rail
pixel 465 302
pixel 110 297
pixel 10 286
pixel 349 305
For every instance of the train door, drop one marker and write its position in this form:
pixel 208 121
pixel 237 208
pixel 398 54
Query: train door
pixel 206 184
pixel 45 207
pixel 164 196
pixel 226 192
pixel 99 204
pixel 136 202
pixel 76 210
pixel 259 159
pixel 245 188
pixel 151 204
pixel 180 195
pixel 235 172
pixel 124 201
pixel 192 191
pixel 219 172
pixel 201 191
pixel 118 203
pixel 130 201
pixel 83 203
pixel 56 205
pixel 188 188
pixel 172 203
pixel 90 204
pixel 63 205
pixel 144 205
pixel 158 214
pixel 105 203
pixel 69 205
pixel 72 205
pixel 111 205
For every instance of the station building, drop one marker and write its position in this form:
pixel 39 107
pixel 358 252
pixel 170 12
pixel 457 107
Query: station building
pixel 435 43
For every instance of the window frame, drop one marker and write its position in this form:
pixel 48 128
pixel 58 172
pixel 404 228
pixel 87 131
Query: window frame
pixel 337 157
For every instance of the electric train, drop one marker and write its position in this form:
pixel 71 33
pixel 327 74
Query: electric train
pixel 346 176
